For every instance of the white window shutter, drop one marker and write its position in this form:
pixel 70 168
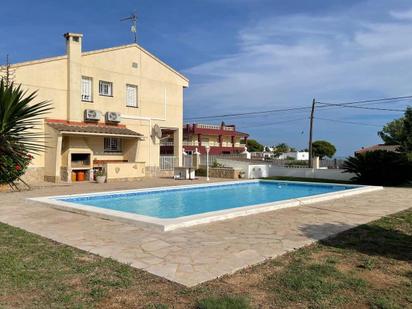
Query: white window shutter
pixel 131 95
pixel 86 88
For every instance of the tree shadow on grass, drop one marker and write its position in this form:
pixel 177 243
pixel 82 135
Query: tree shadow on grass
pixel 369 239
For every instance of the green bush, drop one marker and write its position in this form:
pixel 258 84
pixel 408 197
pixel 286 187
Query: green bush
pixel 296 163
pixel 216 164
pixel 14 167
pixel 225 302
pixel 379 168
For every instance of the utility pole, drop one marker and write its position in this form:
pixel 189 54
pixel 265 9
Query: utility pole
pixel 311 133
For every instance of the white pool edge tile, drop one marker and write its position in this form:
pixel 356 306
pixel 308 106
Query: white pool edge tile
pixel 187 221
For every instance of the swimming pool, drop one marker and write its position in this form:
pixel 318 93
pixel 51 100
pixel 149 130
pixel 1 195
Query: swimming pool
pixel 179 206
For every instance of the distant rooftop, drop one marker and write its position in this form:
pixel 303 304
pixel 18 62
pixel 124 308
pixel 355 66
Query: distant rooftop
pixel 192 127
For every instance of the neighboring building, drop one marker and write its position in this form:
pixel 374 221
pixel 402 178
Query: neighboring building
pixel 391 148
pixel 262 155
pixel 222 139
pixel 110 107
pixel 295 155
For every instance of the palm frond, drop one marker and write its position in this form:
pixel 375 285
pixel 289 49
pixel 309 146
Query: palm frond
pixel 20 119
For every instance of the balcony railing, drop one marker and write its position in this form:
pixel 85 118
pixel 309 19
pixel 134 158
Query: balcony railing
pixel 211 144
pixel 166 143
pixel 190 143
pixel 208 126
pixel 228 128
pixel 214 127
pixel 167 163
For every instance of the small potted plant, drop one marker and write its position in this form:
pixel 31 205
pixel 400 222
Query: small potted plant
pixel 100 176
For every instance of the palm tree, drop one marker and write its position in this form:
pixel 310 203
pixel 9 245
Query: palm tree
pixel 19 118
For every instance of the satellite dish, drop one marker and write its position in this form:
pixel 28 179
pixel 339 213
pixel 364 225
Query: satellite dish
pixel 157 131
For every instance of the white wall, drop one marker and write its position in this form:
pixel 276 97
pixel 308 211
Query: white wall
pixel 297 155
pixel 268 170
pixel 334 174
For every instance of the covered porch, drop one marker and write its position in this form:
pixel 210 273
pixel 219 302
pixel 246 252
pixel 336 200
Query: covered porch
pixel 77 151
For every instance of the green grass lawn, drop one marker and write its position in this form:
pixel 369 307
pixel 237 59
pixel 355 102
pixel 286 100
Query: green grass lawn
pixel 366 267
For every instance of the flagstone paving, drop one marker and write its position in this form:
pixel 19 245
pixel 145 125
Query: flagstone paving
pixel 193 255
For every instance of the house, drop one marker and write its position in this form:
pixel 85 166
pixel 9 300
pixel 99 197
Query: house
pixel 222 139
pixel 295 155
pixel 111 108
pixel 263 155
pixel 390 148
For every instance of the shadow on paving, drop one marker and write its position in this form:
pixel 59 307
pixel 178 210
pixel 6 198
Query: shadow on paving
pixel 370 239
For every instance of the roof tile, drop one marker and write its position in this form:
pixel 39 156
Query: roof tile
pixel 95 129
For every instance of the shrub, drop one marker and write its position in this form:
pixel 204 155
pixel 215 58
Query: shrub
pixel 216 164
pixel 296 163
pixel 14 167
pixel 20 118
pixel 379 168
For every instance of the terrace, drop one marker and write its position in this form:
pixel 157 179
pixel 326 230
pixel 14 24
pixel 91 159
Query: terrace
pixel 197 254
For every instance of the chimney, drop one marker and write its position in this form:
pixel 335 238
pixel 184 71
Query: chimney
pixel 74 58
pixel 73 44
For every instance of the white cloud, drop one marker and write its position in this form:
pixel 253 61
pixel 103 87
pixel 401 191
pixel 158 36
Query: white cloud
pixel 286 61
pixel 402 14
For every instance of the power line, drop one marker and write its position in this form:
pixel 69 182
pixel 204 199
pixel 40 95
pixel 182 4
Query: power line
pixel 261 115
pixel 278 122
pixel 370 101
pixel 350 122
pixel 345 105
pixel 249 113
pixel 327 104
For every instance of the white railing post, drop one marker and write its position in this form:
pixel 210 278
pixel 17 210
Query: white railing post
pixel 207 162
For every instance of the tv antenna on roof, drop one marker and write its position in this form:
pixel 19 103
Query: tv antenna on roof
pixel 6 73
pixel 133 28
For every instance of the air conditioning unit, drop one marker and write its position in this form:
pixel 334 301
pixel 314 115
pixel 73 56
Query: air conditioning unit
pixel 92 115
pixel 113 117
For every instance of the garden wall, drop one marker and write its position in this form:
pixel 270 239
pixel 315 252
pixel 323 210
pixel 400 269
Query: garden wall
pixel 124 171
pixel 224 172
pixel 267 170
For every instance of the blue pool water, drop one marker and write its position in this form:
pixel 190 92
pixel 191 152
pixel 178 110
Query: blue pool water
pixel 179 202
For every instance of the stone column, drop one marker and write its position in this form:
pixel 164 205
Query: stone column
pixel 58 160
pixel 199 139
pixel 315 163
pixel 177 143
pixel 196 159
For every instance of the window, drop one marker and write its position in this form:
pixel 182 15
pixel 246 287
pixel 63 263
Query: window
pixel 112 144
pixel 87 89
pixel 131 95
pixel 105 88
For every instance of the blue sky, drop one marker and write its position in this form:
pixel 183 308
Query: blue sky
pixel 248 55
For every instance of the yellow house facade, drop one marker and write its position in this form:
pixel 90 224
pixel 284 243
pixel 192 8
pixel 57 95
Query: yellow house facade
pixel 110 107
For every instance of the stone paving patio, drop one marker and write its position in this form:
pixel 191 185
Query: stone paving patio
pixel 193 255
